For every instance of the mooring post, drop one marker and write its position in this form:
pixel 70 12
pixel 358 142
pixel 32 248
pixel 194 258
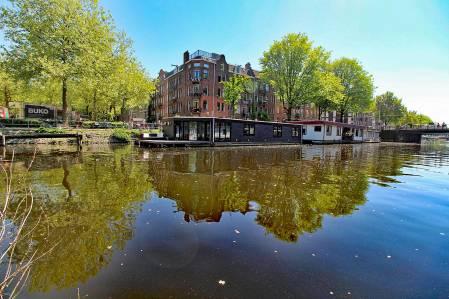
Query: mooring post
pixel 3 140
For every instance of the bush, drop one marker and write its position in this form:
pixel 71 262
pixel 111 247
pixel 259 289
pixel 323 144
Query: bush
pixel 51 130
pixel 121 135
pixel 21 122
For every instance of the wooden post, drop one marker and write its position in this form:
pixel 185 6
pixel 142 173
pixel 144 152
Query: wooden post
pixel 3 140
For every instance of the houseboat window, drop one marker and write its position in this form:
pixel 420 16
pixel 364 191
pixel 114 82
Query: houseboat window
pixel 222 131
pixel 338 131
pixel 304 131
pixel 295 132
pixel 317 129
pixel 277 131
pixel 249 130
pixel 328 130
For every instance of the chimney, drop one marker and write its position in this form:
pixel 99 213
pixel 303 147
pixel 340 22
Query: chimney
pixel 186 56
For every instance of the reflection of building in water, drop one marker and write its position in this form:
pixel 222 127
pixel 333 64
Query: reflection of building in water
pixel 293 188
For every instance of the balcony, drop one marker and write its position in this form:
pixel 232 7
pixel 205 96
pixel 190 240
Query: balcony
pixel 196 80
pixel 195 110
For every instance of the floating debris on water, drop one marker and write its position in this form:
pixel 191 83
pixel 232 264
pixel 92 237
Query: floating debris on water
pixel 388 256
pixel 222 282
pixel 331 292
pixel 443 234
pixel 236 231
pixel 313 254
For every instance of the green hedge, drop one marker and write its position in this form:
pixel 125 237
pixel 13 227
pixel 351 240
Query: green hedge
pixel 121 135
pixel 98 124
pixel 51 130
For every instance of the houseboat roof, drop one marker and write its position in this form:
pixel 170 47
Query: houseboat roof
pixel 231 119
pixel 326 122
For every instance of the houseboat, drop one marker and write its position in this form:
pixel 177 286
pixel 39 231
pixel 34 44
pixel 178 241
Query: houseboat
pixel 328 132
pixel 225 131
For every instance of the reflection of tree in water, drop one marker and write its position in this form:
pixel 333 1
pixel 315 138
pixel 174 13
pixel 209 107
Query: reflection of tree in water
pixel 105 196
pixel 293 188
pixel 92 205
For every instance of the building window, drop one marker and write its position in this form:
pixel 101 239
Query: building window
pixel 205 74
pixel 277 131
pixel 206 65
pixel 219 92
pixel 196 64
pixel 218 106
pixel 219 78
pixel 328 130
pixel 196 74
pixel 295 132
pixel 205 105
pixel 317 129
pixel 222 106
pixel 338 131
pixel 205 91
pixel 249 129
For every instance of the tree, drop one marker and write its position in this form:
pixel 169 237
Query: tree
pixel 328 93
pixel 290 66
pixel 233 90
pixel 414 118
pixel 54 39
pixel 357 86
pixel 389 108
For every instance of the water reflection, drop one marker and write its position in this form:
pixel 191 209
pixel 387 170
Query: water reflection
pixel 90 204
pixel 91 199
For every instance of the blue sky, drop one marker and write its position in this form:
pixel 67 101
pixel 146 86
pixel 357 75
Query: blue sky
pixel 404 44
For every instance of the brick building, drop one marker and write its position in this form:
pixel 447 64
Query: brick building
pixel 195 88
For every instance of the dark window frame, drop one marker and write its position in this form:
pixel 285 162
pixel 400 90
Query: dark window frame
pixel 317 127
pixel 295 131
pixel 247 130
pixel 277 130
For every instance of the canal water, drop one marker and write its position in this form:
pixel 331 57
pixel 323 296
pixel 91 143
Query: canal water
pixel 351 221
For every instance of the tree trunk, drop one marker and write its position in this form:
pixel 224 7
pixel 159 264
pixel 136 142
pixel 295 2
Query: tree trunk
pixel 289 113
pixel 342 113
pixel 123 110
pixel 65 115
pixel 95 106
pixel 7 95
pixel 319 112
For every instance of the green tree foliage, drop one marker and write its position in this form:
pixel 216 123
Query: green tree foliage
pixel 234 88
pixel 415 118
pixel 57 39
pixel 357 86
pixel 290 66
pixel 72 45
pixel 389 108
pixel 329 92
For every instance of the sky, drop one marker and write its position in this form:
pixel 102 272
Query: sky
pixel 404 44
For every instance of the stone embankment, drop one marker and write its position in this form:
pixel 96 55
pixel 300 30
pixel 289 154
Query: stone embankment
pixel 90 136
